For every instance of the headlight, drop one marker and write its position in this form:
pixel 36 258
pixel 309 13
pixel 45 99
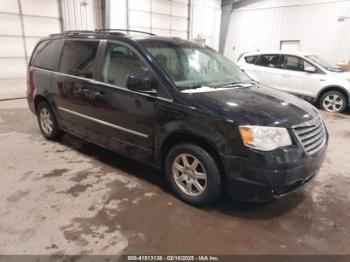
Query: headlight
pixel 265 138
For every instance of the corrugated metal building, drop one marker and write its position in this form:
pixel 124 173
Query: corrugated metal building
pixel 81 15
pixel 24 22
pixel 188 19
pixel 317 26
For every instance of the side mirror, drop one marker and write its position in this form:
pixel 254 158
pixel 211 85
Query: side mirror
pixel 140 83
pixel 310 69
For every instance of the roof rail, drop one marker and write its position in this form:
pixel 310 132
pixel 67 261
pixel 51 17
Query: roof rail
pixel 122 30
pixel 101 31
pixel 74 32
pixel 78 31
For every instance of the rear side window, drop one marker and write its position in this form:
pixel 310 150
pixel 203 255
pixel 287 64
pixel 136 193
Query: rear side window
pixel 269 61
pixel 251 59
pixel 47 55
pixel 78 58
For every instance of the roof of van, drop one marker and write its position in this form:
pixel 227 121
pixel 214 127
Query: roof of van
pixel 123 33
pixel 126 34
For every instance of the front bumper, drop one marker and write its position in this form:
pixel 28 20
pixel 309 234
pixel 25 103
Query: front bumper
pixel 265 176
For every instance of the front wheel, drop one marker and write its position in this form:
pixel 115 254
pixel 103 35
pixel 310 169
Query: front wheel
pixel 193 174
pixel 333 101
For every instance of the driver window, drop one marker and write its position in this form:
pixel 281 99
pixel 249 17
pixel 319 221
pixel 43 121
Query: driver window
pixel 120 62
pixel 294 63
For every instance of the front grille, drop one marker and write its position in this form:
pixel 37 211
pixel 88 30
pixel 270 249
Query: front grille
pixel 311 135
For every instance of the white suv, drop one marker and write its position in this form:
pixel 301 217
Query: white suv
pixel 304 75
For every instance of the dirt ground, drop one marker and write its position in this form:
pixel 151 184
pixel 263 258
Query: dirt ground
pixel 74 197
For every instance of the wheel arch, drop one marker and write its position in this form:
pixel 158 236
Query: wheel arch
pixel 38 99
pixel 183 137
pixel 333 88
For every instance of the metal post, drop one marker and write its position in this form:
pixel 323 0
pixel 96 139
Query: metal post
pixel 171 19
pixel 105 6
pixel 189 19
pixel 23 33
pixel 151 14
pixel 127 14
pixel 59 2
pixel 99 13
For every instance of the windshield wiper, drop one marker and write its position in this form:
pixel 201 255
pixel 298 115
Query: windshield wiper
pixel 234 84
pixel 190 87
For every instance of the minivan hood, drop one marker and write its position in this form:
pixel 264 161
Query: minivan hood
pixel 256 105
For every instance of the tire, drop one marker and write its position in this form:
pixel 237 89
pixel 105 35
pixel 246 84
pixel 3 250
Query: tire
pixel 333 101
pixel 191 179
pixel 47 122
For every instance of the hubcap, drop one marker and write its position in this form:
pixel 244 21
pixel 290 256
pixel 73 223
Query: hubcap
pixel 333 103
pixel 46 121
pixel 189 174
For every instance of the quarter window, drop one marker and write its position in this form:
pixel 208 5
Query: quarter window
pixel 251 59
pixel 120 62
pixel 269 61
pixel 294 63
pixel 78 58
pixel 47 55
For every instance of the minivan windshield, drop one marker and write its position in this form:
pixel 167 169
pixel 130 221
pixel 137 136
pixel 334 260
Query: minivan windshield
pixel 192 66
pixel 323 63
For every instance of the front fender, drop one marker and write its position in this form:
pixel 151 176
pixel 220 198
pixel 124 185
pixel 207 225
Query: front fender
pixel 218 135
pixel 200 130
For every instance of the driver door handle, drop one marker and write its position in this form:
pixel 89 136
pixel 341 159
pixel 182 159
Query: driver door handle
pixel 83 89
pixel 101 96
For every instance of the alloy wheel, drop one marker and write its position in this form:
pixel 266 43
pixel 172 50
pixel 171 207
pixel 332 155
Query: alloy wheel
pixel 333 103
pixel 46 121
pixel 189 174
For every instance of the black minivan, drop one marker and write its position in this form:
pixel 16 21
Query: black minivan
pixel 179 106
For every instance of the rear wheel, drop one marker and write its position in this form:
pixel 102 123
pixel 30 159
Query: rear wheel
pixel 47 122
pixel 193 174
pixel 333 101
